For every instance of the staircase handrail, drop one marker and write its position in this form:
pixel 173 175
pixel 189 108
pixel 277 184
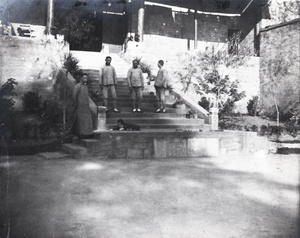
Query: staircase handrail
pixel 192 104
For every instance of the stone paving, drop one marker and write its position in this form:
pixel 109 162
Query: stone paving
pixel 250 196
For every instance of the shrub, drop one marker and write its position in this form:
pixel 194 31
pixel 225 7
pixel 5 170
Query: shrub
pixel 252 106
pixel 254 128
pixel 292 126
pixel 52 115
pixel 71 65
pixel 6 96
pixel 204 103
pixel 277 130
pixel 32 102
pixel 7 91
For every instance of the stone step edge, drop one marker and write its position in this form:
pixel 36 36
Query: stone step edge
pixel 162 119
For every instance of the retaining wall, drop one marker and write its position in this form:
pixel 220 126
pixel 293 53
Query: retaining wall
pixel 280 42
pixel 173 144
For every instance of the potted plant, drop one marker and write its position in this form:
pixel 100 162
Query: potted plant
pixel 146 69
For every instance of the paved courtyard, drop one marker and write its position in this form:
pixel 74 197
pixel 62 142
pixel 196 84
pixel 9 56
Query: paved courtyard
pixel 250 196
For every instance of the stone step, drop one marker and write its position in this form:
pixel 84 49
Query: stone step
pixel 169 127
pixel 128 103
pixel 204 128
pixel 75 150
pixel 125 92
pixel 86 148
pixel 146 110
pixel 160 121
pixel 54 155
pixel 122 99
pixel 87 143
pixel 127 98
pixel 125 115
pixel 288 148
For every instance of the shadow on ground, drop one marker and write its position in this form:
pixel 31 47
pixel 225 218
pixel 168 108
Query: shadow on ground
pixel 207 197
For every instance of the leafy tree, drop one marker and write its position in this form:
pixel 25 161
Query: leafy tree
pixel 282 11
pixel 275 69
pixel 209 71
pixel 77 27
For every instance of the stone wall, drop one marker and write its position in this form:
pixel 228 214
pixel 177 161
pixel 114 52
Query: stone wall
pixel 173 144
pixel 33 62
pixel 275 41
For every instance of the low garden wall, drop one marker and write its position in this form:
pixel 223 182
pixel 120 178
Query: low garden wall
pixel 173 144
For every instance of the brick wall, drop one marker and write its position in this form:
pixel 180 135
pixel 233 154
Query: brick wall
pixel 283 39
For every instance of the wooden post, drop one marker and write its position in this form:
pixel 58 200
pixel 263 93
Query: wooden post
pixel 141 14
pixel 50 13
pixel 196 30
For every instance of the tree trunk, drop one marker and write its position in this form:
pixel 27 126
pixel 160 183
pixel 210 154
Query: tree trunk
pixel 277 112
pixel 64 101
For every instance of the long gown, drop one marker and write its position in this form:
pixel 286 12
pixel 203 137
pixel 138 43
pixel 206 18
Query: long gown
pixel 84 122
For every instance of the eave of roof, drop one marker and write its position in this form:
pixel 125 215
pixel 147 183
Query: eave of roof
pixel 280 25
pixel 183 9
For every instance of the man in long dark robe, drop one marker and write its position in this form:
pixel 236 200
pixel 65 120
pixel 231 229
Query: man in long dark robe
pixel 84 122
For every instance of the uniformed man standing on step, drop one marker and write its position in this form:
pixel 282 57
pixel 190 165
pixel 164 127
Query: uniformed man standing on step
pixel 135 81
pixel 160 85
pixel 108 82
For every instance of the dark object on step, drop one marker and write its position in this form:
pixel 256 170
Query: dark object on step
pixel 123 126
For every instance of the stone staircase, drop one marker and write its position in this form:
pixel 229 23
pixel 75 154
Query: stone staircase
pixel 173 119
pixel 132 144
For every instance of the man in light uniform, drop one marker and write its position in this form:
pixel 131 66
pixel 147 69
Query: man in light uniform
pixel 108 82
pixel 135 81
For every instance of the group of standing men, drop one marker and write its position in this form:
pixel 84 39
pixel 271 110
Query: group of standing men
pixel 108 84
pixel 136 84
